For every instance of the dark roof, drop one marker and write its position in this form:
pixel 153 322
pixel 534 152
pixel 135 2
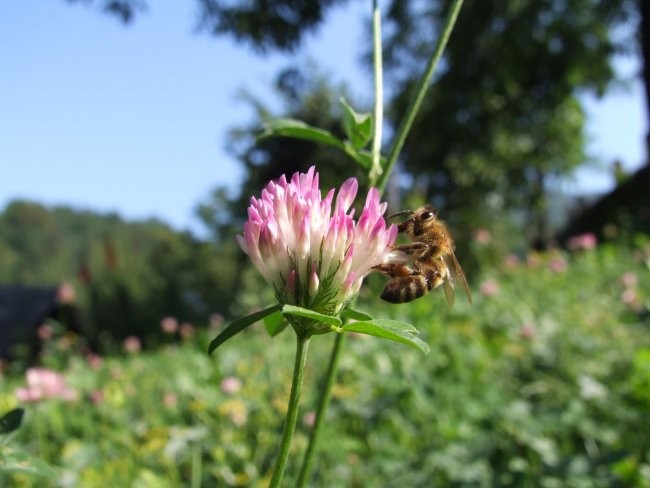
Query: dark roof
pixel 22 309
pixel 627 208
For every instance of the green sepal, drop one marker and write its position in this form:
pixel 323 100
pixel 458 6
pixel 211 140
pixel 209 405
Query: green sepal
pixel 16 461
pixel 393 330
pixel 240 324
pixel 275 323
pixel 357 126
pixel 351 313
pixel 11 420
pixel 310 314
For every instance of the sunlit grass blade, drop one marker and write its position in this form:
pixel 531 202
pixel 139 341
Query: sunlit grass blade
pixel 240 324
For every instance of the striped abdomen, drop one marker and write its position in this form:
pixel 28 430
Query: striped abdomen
pixel 404 289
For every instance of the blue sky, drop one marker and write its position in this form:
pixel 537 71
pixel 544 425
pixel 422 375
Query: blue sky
pixel 134 119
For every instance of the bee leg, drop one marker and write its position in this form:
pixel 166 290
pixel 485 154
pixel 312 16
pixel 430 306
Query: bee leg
pixel 394 270
pixel 414 250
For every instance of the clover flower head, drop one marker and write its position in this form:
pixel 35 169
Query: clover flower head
pixel 43 384
pixel 311 249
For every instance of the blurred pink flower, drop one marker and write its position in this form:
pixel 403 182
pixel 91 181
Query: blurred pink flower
pixel 629 279
pixel 309 419
pixel 312 256
pixel 527 331
pixel 43 384
pixel 511 261
pixel 490 288
pixel 558 264
pixel 169 325
pixel 169 399
pixel 97 396
pixel 45 332
pixel 482 236
pixel 629 297
pixel 186 330
pixel 66 294
pixel 94 360
pixel 216 320
pixel 585 241
pixel 230 385
pixel 132 345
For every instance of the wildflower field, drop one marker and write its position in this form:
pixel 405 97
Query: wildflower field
pixel 543 381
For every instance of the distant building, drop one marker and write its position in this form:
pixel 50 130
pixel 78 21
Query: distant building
pixel 622 212
pixel 24 308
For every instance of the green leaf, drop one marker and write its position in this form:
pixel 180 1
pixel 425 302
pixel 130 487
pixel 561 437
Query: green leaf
pixel 393 330
pixel 310 314
pixel 11 420
pixel 240 324
pixel 15 461
pixel 275 323
pixel 351 313
pixel 357 126
pixel 300 130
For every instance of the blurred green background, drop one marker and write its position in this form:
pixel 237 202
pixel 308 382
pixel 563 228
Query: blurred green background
pixel 543 381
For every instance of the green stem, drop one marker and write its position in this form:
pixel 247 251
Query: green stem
pixel 376 169
pixel 292 410
pixel 380 175
pixel 421 89
pixel 323 404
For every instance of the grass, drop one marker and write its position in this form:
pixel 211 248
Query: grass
pixel 542 382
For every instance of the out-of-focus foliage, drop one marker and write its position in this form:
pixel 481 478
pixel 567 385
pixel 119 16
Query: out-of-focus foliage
pixel 542 382
pixel 503 117
pixel 127 275
pixel 307 96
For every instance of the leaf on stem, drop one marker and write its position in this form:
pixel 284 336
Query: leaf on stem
pixel 357 126
pixel 240 324
pixel 393 330
pixel 310 314
pixel 275 323
pixel 11 420
pixel 300 130
pixel 351 313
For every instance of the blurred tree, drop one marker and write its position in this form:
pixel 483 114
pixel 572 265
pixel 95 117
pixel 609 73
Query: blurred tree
pixel 128 275
pixel 644 29
pixel 503 117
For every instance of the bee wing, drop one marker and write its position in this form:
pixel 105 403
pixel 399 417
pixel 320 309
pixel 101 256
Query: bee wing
pixel 449 291
pixel 456 273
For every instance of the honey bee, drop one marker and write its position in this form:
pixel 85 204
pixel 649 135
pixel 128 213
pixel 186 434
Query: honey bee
pixel 424 264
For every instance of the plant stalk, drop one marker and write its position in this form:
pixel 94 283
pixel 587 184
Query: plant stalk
pixel 376 169
pixel 302 346
pixel 321 411
pixel 378 176
pixel 416 101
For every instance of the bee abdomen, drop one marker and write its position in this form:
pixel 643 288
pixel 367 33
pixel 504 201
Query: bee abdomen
pixel 408 288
